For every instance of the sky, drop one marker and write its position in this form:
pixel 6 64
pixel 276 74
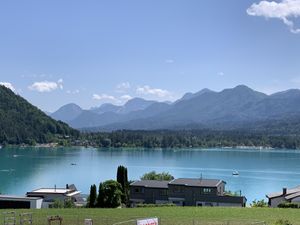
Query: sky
pixel 54 52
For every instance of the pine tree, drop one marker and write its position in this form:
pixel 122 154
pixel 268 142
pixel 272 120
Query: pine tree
pixel 93 196
pixel 122 178
pixel 100 198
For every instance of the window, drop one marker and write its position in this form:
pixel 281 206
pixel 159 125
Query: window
pixel 178 189
pixel 163 192
pixel 139 190
pixel 207 190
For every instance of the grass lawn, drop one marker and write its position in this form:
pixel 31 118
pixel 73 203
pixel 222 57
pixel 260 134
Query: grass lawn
pixel 168 215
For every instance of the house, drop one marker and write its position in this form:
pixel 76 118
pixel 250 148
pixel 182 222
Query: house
pixel 20 202
pixel 184 192
pixel 149 192
pixel 285 196
pixel 49 195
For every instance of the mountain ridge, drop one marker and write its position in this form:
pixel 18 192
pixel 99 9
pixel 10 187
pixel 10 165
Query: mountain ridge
pixel 229 108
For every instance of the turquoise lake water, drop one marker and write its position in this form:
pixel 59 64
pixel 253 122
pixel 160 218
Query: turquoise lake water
pixel 261 171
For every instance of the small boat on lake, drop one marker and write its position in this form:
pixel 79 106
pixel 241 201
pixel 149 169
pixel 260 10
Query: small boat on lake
pixel 235 173
pixel 73 164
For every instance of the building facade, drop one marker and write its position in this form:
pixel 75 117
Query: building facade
pixel 50 195
pixel 285 196
pixel 20 202
pixel 184 192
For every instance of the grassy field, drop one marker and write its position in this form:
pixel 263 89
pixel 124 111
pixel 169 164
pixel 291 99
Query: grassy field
pixel 168 216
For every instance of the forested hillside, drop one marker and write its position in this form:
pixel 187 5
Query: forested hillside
pixel 21 122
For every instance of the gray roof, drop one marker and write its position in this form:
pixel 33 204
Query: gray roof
pixel 3 197
pixel 151 183
pixel 289 193
pixel 197 182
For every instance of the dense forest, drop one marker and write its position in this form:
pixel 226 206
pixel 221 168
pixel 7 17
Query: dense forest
pixel 190 139
pixel 21 122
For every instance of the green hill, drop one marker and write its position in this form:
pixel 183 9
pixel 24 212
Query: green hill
pixel 21 122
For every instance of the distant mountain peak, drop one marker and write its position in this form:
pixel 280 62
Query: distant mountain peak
pixel 67 112
pixel 190 95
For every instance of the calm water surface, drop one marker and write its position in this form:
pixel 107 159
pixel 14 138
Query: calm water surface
pixel 261 172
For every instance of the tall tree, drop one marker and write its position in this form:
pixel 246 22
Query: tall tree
pixel 111 194
pixel 93 196
pixel 100 198
pixel 122 178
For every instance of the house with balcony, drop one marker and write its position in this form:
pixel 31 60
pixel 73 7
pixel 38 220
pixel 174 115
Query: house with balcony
pixel 184 192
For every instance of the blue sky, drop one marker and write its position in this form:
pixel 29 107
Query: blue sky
pixel 90 52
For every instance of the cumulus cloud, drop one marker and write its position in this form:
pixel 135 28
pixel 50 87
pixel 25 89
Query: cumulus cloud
pixel 46 86
pixel 147 90
pixel 125 97
pixel 104 97
pixel 123 87
pixel 8 85
pixel 221 74
pixel 285 10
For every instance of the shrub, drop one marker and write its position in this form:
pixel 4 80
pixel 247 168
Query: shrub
pixel 259 204
pixel 288 205
pixel 155 205
pixel 283 222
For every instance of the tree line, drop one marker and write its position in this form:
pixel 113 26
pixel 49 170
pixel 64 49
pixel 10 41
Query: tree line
pixel 189 139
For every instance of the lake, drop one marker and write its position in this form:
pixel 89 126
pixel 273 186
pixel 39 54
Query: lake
pixel 261 171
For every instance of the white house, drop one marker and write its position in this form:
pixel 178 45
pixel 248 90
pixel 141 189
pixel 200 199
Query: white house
pixel 49 195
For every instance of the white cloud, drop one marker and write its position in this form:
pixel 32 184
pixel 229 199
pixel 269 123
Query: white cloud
pixel 221 74
pixel 285 10
pixel 46 86
pixel 72 92
pixel 125 97
pixel 147 90
pixel 123 87
pixel 104 97
pixel 8 85
pixel 169 61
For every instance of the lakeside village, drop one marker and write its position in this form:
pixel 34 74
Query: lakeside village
pixel 152 190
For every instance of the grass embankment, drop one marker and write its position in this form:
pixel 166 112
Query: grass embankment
pixel 168 215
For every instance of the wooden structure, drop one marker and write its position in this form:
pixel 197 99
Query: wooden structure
pixel 26 219
pixel 9 218
pixel 52 219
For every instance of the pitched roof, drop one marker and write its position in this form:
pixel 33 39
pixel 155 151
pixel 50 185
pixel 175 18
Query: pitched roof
pixel 290 193
pixel 151 183
pixel 193 182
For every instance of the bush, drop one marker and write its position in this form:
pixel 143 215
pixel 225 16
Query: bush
pixel 288 205
pixel 59 204
pixel 157 176
pixel 283 222
pixel 259 204
pixel 155 205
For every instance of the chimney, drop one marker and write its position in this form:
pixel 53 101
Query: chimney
pixel 284 191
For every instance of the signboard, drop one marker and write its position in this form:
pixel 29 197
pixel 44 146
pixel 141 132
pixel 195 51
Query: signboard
pixel 149 221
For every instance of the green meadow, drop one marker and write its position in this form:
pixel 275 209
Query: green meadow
pixel 167 215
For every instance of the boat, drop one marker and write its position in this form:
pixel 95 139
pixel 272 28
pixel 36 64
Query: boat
pixel 235 173
pixel 73 164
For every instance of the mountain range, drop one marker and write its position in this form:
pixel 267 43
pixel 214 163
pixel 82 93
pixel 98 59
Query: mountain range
pixel 238 107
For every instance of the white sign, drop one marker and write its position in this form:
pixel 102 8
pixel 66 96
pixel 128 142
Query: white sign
pixel 150 221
